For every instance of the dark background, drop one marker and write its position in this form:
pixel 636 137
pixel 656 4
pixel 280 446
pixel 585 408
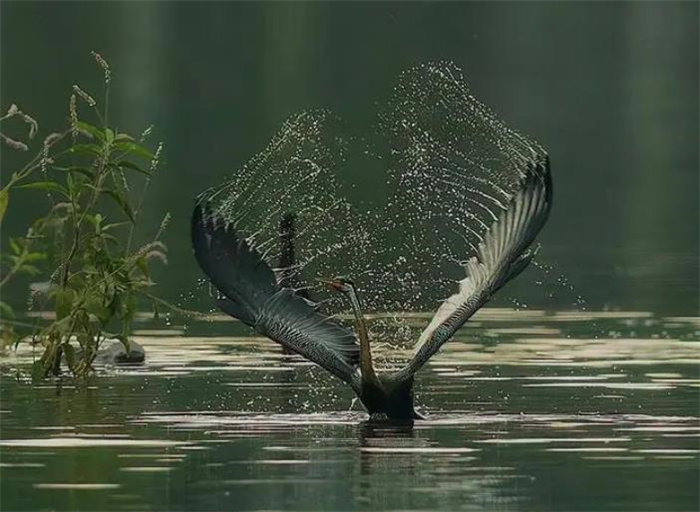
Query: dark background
pixel 609 88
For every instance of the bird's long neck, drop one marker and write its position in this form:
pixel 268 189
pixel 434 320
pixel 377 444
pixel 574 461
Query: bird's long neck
pixel 366 366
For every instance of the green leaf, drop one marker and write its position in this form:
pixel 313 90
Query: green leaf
pixel 49 186
pixel 122 201
pixel 113 225
pixel 109 135
pixel 110 238
pixel 29 269
pixel 85 149
pixel 92 219
pixel 123 136
pixel 35 256
pixel 90 173
pixel 64 303
pixel 38 371
pixel 142 264
pixel 6 310
pixel 125 164
pixel 132 148
pixel 92 130
pixel 97 312
pixel 4 201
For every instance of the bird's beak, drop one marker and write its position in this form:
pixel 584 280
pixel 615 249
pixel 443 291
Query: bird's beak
pixel 333 283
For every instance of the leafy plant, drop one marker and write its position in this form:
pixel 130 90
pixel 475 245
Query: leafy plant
pixel 89 173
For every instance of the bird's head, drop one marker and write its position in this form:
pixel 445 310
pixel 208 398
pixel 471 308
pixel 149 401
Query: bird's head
pixel 339 284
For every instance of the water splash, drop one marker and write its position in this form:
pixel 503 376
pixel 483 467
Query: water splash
pixel 436 167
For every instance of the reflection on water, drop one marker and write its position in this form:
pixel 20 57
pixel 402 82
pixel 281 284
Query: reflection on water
pixel 526 409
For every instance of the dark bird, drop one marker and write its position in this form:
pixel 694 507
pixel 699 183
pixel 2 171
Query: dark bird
pixel 251 292
pixel 286 274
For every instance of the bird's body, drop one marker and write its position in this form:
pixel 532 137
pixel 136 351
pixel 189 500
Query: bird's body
pixel 250 292
pixel 389 397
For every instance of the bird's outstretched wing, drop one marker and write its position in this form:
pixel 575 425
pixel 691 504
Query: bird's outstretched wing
pixel 250 293
pixel 501 256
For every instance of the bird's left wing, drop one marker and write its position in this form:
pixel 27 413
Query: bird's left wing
pixel 251 294
pixel 501 256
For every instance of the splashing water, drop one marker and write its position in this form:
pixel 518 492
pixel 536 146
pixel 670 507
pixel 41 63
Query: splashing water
pixel 448 165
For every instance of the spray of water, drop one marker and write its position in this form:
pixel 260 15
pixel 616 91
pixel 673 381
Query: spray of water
pixel 446 165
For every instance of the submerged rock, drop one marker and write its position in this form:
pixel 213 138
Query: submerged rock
pixel 113 352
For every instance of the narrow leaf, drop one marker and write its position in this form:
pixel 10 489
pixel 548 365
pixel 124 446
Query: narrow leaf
pixel 122 201
pixel 49 186
pixel 125 164
pixel 85 149
pixel 6 310
pixel 92 130
pixel 80 170
pixel 38 371
pixel 122 137
pixel 4 201
pixel 134 149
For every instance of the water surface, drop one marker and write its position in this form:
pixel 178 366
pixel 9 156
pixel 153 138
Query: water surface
pixel 527 410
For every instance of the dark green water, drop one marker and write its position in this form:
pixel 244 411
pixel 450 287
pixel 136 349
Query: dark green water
pixel 528 410
pixel 609 89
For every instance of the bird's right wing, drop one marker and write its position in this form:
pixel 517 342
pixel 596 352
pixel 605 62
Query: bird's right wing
pixel 251 294
pixel 501 256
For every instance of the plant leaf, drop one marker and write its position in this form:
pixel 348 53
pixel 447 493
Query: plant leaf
pixel 123 136
pixel 92 130
pixel 29 269
pixel 35 256
pixel 4 201
pixel 113 225
pixel 64 303
pixel 49 186
pixel 133 148
pixel 6 310
pixel 126 164
pixel 80 170
pixel 142 264
pixel 122 201
pixel 110 238
pixel 38 371
pixel 85 149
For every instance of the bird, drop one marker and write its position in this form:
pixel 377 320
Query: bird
pixel 250 291
pixel 286 277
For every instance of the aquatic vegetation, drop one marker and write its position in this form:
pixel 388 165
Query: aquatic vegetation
pixel 92 179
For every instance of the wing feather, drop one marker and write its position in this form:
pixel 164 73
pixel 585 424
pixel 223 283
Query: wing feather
pixel 501 256
pixel 251 294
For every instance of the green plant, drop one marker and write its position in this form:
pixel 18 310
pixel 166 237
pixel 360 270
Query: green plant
pixel 83 243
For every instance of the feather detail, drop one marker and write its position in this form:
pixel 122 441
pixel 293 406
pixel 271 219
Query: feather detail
pixel 250 293
pixel 501 256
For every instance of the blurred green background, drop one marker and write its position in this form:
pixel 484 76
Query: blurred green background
pixel 609 88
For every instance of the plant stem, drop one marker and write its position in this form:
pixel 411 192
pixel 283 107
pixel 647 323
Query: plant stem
pixel 93 199
pixel 136 214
